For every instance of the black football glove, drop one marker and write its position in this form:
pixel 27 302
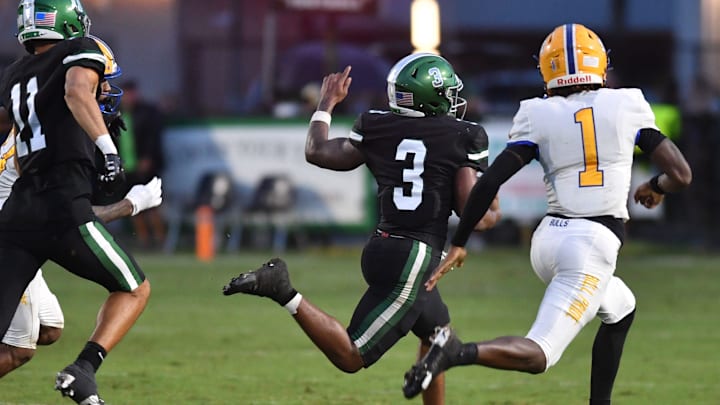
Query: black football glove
pixel 112 175
pixel 115 124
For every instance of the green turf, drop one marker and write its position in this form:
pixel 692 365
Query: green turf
pixel 194 346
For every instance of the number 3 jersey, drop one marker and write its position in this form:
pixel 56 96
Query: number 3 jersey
pixel 585 143
pixel 414 162
pixel 33 92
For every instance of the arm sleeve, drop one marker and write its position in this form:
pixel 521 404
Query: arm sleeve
pixel 509 162
pixel 648 139
pixel 476 149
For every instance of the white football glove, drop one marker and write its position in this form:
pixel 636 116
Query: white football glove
pixel 145 196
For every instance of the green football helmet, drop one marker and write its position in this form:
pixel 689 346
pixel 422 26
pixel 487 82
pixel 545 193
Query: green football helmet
pixel 51 20
pixel 424 84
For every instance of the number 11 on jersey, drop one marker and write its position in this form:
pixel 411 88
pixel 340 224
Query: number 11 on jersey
pixel 37 140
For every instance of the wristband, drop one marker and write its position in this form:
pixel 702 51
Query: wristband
pixel 322 116
pixel 654 186
pixel 105 144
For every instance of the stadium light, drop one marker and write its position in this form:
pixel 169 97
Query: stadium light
pixel 425 25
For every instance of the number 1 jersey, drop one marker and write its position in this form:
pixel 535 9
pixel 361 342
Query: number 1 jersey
pixel 585 143
pixel 414 162
pixel 33 92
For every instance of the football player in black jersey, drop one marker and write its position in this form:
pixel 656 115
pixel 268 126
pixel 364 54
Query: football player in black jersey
pixel 51 95
pixel 39 319
pixel 425 161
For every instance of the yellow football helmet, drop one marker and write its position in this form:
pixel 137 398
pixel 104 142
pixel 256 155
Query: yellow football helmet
pixel 572 55
pixel 112 70
pixel 111 95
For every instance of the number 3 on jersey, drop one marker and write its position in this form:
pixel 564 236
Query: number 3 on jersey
pixel 591 176
pixel 417 149
pixel 27 105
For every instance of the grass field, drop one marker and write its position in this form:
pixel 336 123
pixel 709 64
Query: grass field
pixel 194 346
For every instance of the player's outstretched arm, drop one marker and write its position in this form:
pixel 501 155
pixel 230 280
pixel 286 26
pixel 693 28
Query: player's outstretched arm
pixel 676 175
pixel 465 179
pixel 140 198
pixel 337 153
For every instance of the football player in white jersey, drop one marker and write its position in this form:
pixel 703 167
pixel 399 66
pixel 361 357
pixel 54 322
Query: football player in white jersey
pixel 583 134
pixel 39 319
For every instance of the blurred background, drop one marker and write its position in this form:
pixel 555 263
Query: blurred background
pixel 218 94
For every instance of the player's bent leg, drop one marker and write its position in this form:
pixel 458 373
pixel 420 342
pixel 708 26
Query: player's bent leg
pixel 12 357
pixel 329 335
pixel 512 353
pixel 96 256
pixel 19 268
pixel 20 341
pixel 617 313
pixel 577 262
pixel 52 320
pixel 91 252
pixel 48 335
pixel 118 314
pixel 272 280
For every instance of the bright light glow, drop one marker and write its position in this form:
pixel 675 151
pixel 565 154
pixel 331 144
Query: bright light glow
pixel 425 25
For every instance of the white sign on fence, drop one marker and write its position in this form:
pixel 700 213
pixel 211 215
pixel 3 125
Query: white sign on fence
pixel 249 152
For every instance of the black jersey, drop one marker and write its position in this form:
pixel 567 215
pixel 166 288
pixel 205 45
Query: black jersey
pixel 33 92
pixel 414 162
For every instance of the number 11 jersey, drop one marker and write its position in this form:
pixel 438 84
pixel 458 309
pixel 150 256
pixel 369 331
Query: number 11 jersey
pixel 33 92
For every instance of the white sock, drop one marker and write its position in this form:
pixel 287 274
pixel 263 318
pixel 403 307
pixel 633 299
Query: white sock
pixel 293 304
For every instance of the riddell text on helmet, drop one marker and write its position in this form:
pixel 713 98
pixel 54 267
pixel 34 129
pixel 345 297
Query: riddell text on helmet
pixel 575 80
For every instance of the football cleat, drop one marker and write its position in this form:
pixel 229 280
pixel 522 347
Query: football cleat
pixel 270 280
pixel 78 383
pixel 445 347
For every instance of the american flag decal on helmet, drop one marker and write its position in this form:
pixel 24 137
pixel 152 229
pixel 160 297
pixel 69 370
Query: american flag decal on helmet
pixel 404 98
pixel 43 19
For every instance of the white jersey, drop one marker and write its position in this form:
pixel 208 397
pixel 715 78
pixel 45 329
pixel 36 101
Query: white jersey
pixel 585 144
pixel 8 173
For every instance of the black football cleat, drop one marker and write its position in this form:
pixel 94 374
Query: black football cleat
pixel 270 280
pixel 78 383
pixel 445 348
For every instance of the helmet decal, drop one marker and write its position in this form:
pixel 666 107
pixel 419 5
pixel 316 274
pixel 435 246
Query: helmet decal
pixel 570 49
pixel 51 20
pixel 437 77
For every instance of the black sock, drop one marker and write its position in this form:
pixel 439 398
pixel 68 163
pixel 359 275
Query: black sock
pixel 606 352
pixel 94 354
pixel 468 354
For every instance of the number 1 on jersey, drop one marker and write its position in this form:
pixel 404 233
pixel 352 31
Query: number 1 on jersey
pixel 591 176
